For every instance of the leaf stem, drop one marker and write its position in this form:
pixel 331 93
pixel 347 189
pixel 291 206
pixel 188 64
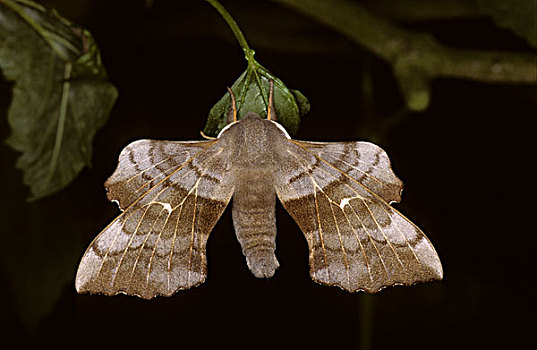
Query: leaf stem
pixel 249 53
pixel 61 121
pixel 253 66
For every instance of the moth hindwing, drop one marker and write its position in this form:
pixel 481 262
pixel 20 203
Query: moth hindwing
pixel 173 193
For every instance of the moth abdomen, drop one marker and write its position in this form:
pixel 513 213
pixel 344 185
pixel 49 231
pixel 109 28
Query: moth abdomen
pixel 255 225
pixel 260 256
pixel 256 233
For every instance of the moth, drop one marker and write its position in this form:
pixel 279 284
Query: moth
pixel 172 194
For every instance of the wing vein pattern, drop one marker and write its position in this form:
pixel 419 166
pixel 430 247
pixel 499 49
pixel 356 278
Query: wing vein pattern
pixel 157 245
pixel 173 193
pixel 339 194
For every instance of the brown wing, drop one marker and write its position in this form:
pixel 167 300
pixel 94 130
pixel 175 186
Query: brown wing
pixel 338 193
pixel 365 162
pixel 173 194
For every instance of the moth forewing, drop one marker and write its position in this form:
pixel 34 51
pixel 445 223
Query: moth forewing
pixel 338 193
pixel 173 194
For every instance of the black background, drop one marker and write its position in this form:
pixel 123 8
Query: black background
pixel 465 163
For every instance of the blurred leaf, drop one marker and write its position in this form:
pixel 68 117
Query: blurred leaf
pixel 251 92
pixel 60 97
pixel 520 16
pixel 149 3
pixel 39 251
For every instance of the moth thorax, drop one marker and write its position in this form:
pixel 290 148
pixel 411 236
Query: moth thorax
pixel 255 222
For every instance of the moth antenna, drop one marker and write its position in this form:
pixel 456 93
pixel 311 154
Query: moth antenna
pixel 206 137
pixel 232 115
pixel 271 114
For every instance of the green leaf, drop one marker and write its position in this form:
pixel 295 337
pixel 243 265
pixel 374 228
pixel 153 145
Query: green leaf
pixel 518 16
pixel 302 101
pixel 251 92
pixel 61 95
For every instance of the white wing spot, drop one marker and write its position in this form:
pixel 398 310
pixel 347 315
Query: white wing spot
pixel 166 206
pixel 345 201
pixel 117 203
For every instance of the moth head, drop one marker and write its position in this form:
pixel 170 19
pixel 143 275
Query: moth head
pixel 248 119
pixel 252 123
pixel 251 118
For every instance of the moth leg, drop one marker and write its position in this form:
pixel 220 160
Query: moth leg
pixel 207 137
pixel 232 114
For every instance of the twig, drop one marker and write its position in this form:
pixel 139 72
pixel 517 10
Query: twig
pixel 417 57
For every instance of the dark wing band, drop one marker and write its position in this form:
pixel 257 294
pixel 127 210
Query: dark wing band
pixel 338 193
pixel 173 194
